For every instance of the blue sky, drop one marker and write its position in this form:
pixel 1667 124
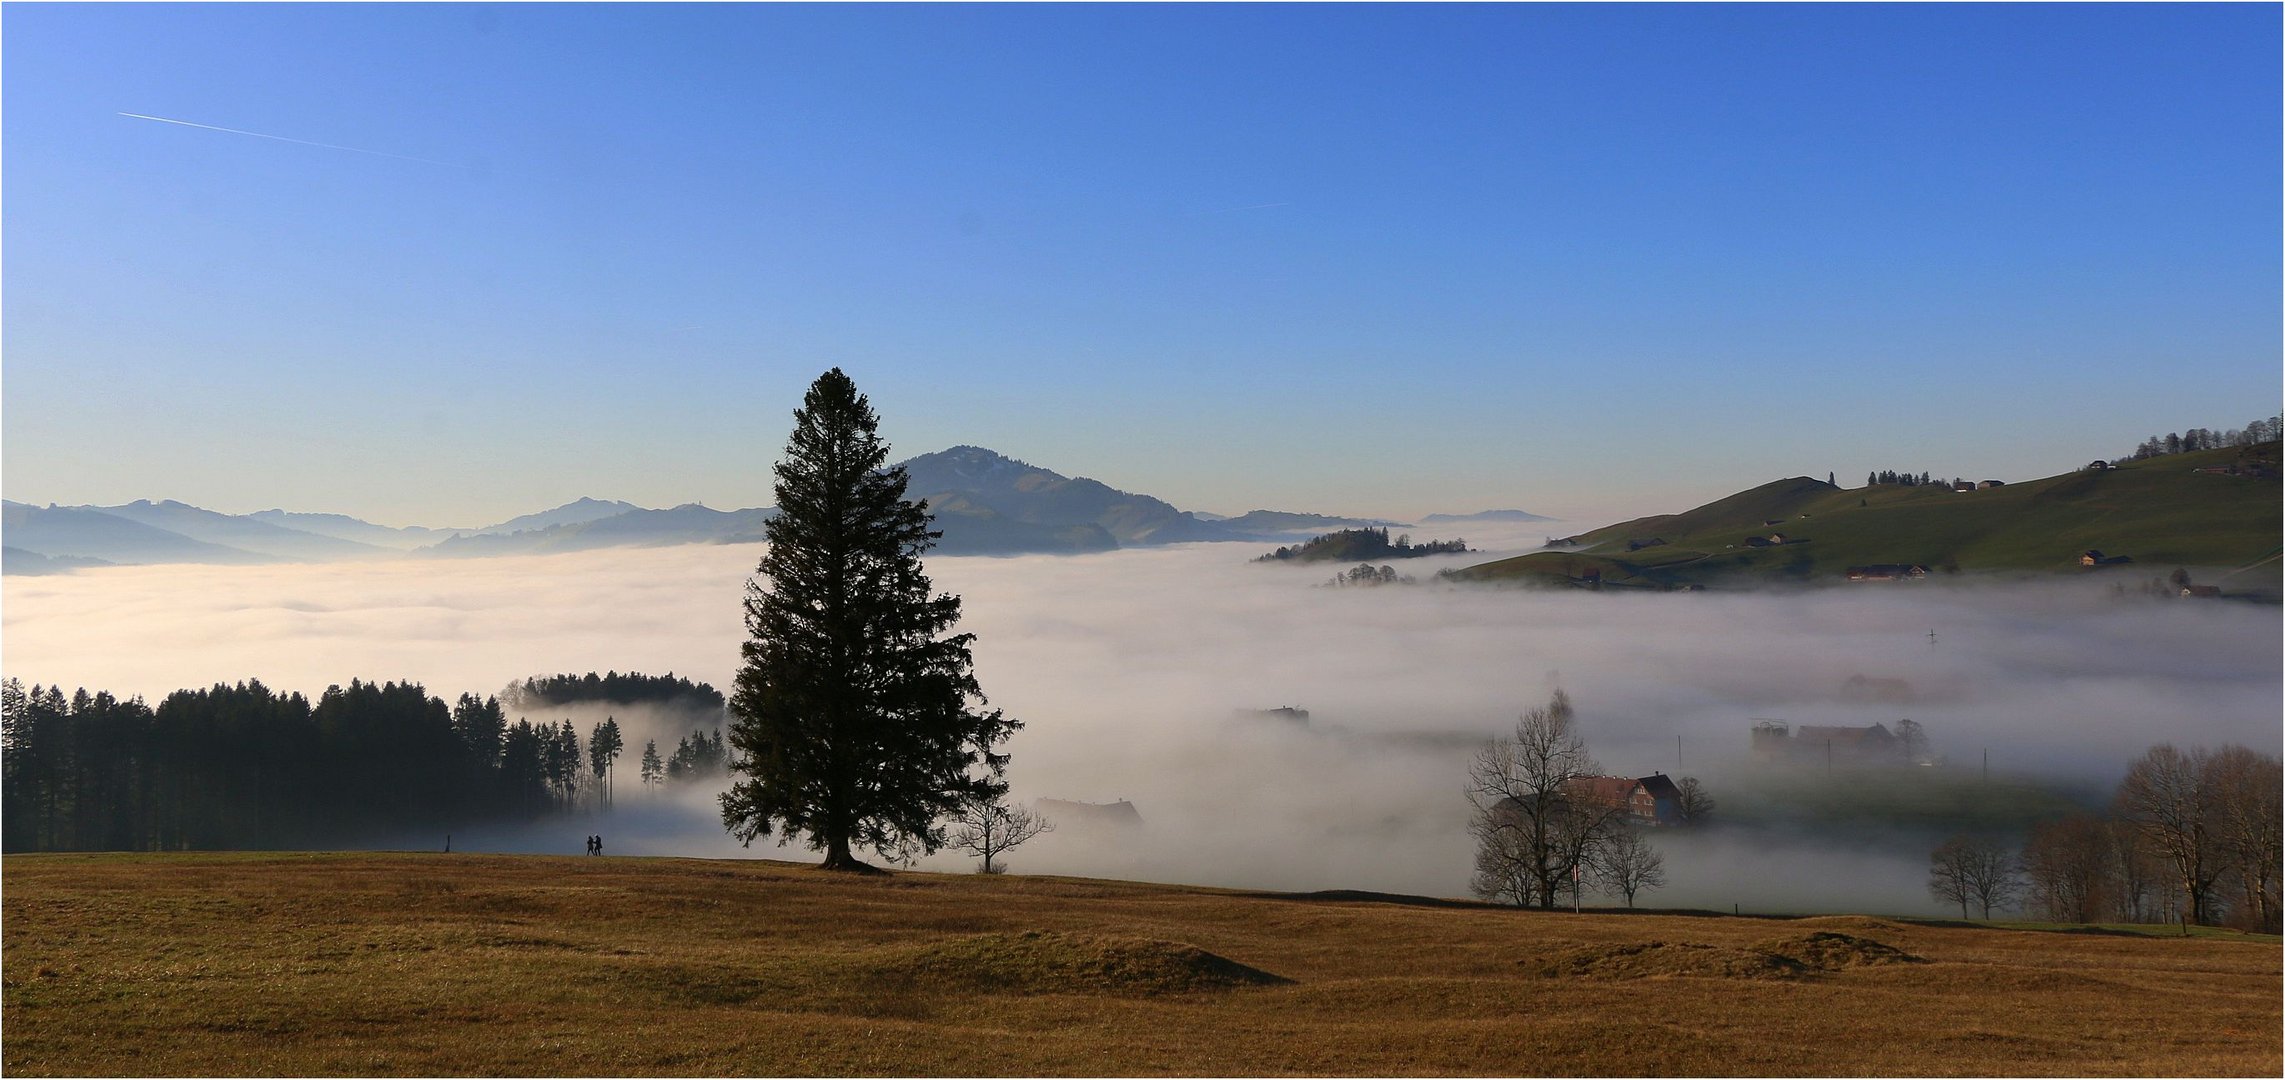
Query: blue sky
pixel 1587 261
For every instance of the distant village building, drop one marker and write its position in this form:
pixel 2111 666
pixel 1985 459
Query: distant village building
pixel 1778 742
pixel 1085 815
pixel 1287 713
pixel 1963 485
pixel 1993 483
pixel 2090 557
pixel 2202 590
pixel 2099 465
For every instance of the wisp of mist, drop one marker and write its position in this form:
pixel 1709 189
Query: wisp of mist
pixel 1141 675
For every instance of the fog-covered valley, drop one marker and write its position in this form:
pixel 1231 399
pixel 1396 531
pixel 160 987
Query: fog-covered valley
pixel 1138 675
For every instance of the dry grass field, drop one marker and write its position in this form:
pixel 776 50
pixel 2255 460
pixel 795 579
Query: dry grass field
pixel 388 963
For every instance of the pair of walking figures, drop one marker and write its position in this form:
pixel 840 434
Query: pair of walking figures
pixel 595 845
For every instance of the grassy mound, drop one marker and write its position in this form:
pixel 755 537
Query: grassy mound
pixel 1046 962
pixel 1833 951
pixel 1862 923
pixel 1644 959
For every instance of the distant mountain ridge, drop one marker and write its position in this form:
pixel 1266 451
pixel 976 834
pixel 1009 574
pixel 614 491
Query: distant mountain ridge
pixel 1483 515
pixel 988 503
pixel 984 502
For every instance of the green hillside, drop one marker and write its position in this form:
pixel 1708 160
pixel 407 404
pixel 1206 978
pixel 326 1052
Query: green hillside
pixel 2151 516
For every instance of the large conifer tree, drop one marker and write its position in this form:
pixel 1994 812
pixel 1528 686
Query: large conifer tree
pixel 856 719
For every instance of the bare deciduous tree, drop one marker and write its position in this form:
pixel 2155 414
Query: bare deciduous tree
pixel 1967 869
pixel 2246 792
pixel 989 829
pixel 2071 869
pixel 1531 835
pixel 2168 795
pixel 1627 864
pixel 1691 803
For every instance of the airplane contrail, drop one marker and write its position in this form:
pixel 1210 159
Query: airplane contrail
pixel 281 138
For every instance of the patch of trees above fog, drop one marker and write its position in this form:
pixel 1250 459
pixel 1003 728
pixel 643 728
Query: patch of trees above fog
pixel 248 767
pixel 1359 545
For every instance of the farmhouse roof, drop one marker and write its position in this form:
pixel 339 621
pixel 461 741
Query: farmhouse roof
pixel 1659 786
pixel 1611 790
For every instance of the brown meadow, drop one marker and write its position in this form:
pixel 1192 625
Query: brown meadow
pixel 396 963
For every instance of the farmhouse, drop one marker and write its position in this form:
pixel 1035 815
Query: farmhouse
pixel 1648 800
pixel 1816 744
pixel 2202 590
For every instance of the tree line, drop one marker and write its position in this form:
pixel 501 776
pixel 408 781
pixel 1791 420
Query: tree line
pixel 2190 836
pixel 1903 479
pixel 2195 439
pixel 245 766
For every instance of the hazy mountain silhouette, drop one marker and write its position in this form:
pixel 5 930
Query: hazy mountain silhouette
pixel 344 527
pixel 689 523
pixel 84 532
pixel 1483 515
pixel 578 512
pixel 988 503
pixel 240 532
pixel 985 504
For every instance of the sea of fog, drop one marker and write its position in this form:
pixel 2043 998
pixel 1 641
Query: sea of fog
pixel 1134 671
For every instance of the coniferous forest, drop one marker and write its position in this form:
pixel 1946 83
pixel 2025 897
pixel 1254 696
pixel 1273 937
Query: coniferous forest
pixel 248 767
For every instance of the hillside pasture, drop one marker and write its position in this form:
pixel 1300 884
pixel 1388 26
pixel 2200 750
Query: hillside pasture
pixel 2159 514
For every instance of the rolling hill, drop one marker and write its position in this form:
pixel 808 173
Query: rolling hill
pixel 2146 518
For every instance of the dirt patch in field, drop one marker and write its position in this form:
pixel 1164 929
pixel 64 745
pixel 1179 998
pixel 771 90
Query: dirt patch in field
pixel 1832 951
pixel 1646 959
pixel 1046 962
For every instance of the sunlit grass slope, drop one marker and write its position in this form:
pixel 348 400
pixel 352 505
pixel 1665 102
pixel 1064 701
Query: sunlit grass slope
pixel 455 964
pixel 2161 513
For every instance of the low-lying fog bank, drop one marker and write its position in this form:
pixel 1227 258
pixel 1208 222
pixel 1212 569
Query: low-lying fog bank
pixel 1131 670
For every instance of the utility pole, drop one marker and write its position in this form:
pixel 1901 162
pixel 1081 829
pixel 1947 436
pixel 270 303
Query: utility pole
pixel 1677 754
